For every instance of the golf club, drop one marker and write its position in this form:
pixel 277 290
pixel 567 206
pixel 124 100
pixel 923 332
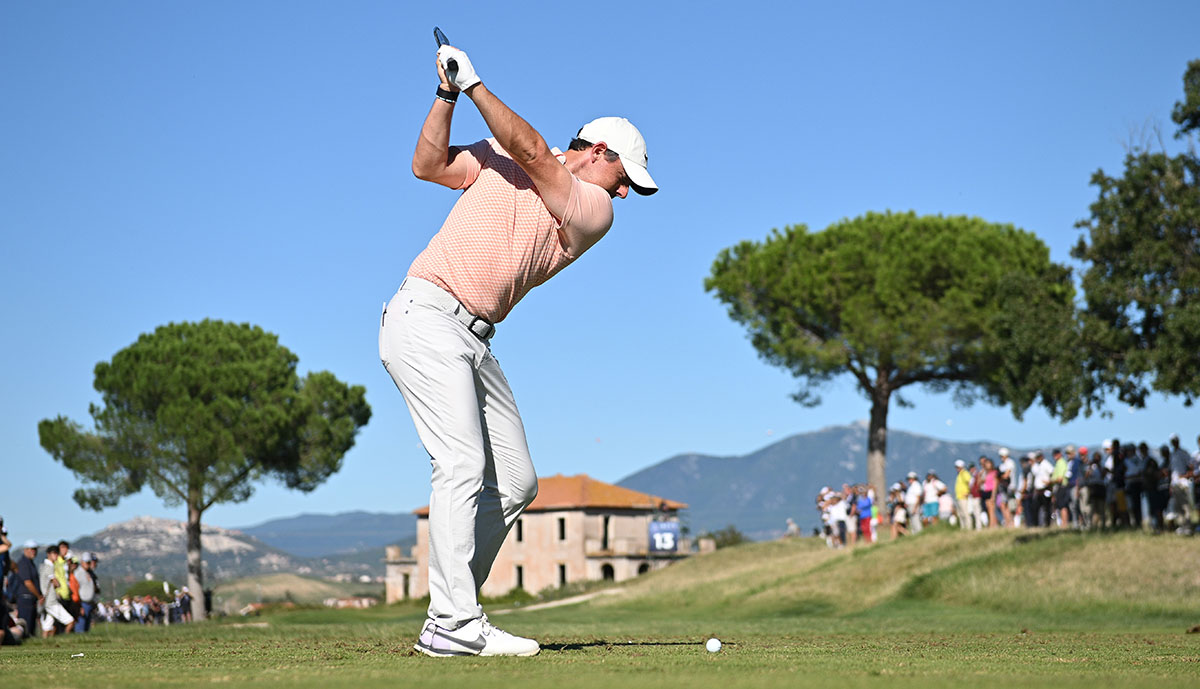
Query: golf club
pixel 451 65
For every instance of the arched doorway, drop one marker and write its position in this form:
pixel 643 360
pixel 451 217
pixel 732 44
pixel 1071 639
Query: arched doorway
pixel 643 568
pixel 608 573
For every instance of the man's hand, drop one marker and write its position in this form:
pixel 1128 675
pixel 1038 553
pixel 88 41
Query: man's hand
pixel 464 76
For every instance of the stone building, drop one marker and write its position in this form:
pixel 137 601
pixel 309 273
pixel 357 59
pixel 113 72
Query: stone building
pixel 577 529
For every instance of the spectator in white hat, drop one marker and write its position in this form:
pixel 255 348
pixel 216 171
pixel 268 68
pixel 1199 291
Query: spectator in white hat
pixel 29 592
pixel 89 592
pixel 962 494
pixel 185 605
pixel 912 501
pixel 1041 471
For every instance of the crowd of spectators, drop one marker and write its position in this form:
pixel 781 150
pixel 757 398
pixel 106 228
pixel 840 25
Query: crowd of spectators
pixel 147 609
pixel 1118 486
pixel 61 594
pixel 58 594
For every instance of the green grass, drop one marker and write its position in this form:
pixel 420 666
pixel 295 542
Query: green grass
pixel 930 611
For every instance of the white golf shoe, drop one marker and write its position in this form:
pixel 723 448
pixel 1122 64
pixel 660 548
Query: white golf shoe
pixel 477 637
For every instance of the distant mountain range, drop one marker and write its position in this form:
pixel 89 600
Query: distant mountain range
pixel 154 547
pixel 759 491
pixel 333 535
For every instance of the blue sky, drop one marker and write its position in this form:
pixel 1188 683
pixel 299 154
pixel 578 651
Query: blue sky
pixel 250 162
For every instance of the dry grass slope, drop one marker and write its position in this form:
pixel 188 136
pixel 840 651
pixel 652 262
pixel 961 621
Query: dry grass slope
pixel 273 588
pixel 1005 571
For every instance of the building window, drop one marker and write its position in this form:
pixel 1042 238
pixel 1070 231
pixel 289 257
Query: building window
pixel 607 572
pixel 562 575
pixel 604 536
pixel 520 533
pixel 520 577
pixel 562 528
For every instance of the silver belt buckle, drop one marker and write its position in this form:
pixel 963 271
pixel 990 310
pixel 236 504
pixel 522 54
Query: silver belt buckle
pixel 485 333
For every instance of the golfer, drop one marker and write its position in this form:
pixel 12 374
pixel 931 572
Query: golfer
pixel 526 212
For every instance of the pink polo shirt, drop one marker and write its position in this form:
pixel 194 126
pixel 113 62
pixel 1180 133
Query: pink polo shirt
pixel 500 241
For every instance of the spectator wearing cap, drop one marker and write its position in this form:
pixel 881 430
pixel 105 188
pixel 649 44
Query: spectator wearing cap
pixel 1181 487
pixel 89 592
pixel 823 508
pixel 185 605
pixel 1041 472
pixel 52 607
pixel 912 501
pixel 962 491
pixel 29 595
pixel 1006 492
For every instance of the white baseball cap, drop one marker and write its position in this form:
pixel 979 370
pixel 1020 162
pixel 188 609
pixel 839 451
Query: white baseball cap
pixel 1003 452
pixel 625 140
pixel 959 463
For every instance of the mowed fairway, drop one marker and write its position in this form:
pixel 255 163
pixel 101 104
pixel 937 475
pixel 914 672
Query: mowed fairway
pixel 991 609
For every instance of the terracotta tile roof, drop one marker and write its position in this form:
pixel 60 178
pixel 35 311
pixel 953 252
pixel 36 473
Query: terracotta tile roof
pixel 560 492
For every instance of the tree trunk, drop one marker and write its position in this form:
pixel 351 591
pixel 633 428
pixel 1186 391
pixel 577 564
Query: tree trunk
pixel 195 573
pixel 877 441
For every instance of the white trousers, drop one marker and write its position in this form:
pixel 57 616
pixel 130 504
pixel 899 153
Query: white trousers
pixel 465 415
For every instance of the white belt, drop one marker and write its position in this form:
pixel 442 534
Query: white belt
pixel 479 327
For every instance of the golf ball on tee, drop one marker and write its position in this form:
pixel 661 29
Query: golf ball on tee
pixel 713 645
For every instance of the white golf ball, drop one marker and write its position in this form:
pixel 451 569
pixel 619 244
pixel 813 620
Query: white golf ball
pixel 713 645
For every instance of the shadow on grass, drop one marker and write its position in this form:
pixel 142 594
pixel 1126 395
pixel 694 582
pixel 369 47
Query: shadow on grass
pixel 582 645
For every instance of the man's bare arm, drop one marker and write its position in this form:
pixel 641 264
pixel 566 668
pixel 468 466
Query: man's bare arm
pixel 527 148
pixel 433 159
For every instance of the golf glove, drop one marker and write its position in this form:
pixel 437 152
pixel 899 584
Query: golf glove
pixel 463 73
